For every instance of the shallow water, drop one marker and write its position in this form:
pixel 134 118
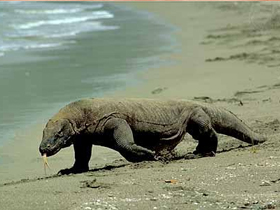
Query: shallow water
pixel 53 53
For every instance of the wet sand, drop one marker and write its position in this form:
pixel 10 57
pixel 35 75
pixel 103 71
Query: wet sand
pixel 226 56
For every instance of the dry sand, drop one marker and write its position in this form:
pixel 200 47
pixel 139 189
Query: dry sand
pixel 227 55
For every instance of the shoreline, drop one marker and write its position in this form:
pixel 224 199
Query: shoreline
pixel 138 186
pixel 41 81
pixel 15 159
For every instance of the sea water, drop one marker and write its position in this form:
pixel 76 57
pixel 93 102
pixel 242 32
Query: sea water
pixel 52 53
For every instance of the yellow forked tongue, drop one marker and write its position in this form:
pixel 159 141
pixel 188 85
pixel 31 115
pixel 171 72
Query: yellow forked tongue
pixel 46 164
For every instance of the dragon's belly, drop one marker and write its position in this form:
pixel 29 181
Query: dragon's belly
pixel 158 139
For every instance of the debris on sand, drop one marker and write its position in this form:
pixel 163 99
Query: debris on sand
pixel 171 181
pixel 207 99
pixel 159 90
pixel 265 183
pixel 93 184
pixel 90 184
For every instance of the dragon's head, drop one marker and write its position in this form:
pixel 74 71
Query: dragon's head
pixel 57 134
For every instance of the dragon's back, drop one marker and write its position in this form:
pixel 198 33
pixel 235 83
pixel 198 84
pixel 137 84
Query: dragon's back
pixel 139 110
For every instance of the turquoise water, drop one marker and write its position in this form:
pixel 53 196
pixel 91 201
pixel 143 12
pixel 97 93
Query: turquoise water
pixel 53 53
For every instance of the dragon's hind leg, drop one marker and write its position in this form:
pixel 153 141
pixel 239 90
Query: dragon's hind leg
pixel 123 141
pixel 199 126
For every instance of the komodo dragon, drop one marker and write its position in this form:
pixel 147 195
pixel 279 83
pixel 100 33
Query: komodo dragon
pixel 139 129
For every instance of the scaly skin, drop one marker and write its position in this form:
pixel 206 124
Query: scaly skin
pixel 139 129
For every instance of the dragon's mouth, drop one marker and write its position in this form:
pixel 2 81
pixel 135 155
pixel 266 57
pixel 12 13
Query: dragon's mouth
pixel 49 150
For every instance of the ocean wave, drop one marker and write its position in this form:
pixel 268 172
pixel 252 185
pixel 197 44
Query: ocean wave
pixel 57 11
pixel 95 15
pixel 29 46
pixel 54 11
pixel 2 54
pixel 9 47
pixel 96 26
pixel 44 45
pixel 40 34
pixel 72 33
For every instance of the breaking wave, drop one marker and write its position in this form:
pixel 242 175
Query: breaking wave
pixel 56 11
pixel 95 15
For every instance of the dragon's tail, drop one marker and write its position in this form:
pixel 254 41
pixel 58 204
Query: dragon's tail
pixel 227 123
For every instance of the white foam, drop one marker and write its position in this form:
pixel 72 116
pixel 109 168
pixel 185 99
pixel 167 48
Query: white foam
pixel 29 46
pixel 48 45
pixel 95 15
pixel 102 14
pixel 73 33
pixel 11 47
pixel 33 35
pixel 92 26
pixel 105 28
pixel 57 11
pixel 44 45
pixel 54 11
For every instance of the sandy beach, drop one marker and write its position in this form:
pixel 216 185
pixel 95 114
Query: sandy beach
pixel 227 55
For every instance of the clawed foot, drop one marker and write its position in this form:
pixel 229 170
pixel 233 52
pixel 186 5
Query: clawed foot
pixel 161 159
pixel 165 156
pixel 72 170
pixel 204 154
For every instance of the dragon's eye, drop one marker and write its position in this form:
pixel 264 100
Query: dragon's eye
pixel 59 133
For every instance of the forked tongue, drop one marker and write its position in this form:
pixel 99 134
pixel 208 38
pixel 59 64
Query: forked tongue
pixel 46 164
